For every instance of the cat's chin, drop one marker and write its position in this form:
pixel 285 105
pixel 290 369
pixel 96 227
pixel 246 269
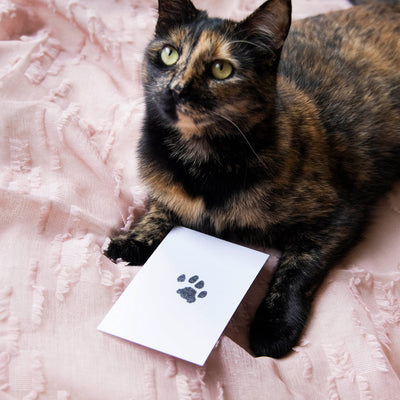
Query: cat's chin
pixel 190 127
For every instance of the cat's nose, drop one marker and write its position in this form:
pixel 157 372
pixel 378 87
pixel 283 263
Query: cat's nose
pixel 175 93
pixel 179 92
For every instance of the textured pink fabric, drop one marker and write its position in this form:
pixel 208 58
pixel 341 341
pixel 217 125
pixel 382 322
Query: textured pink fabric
pixel 70 111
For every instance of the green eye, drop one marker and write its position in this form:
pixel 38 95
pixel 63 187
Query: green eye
pixel 221 69
pixel 169 55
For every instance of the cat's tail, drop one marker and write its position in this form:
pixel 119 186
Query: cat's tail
pixel 357 2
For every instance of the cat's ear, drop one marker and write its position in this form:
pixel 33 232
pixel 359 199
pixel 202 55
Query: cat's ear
pixel 174 12
pixel 269 23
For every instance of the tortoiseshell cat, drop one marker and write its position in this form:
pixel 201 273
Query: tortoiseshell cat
pixel 270 138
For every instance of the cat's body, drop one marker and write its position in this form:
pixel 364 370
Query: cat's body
pixel 290 155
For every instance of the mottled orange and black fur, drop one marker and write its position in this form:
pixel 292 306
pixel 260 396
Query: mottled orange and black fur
pixel 292 150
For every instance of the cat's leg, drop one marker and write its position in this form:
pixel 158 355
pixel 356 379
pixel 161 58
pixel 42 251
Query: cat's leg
pixel 282 315
pixel 137 245
pixel 280 318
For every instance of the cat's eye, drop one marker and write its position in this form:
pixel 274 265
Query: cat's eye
pixel 169 55
pixel 221 69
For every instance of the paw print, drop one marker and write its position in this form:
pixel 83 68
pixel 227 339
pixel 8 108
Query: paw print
pixel 189 293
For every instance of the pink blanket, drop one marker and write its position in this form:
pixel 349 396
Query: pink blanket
pixel 70 109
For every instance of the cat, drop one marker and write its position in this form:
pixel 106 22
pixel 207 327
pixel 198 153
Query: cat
pixel 271 137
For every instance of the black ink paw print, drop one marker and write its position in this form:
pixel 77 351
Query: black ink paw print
pixel 189 293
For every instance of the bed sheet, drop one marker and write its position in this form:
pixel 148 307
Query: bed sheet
pixel 71 108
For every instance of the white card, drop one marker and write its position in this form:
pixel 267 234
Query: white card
pixel 181 300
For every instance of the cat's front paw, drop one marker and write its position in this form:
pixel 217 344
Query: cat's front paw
pixel 129 249
pixel 274 332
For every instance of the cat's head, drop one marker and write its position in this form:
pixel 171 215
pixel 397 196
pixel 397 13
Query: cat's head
pixel 203 73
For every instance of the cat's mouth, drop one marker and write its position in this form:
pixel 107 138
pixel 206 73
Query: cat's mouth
pixel 169 110
pixel 186 122
pixel 189 120
pixel 186 119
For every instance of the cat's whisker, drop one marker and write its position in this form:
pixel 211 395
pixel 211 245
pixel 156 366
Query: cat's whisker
pixel 244 137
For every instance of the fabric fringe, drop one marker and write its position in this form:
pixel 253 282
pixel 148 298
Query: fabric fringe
pixel 364 388
pixel 149 380
pixel 12 336
pixel 55 160
pixel 67 116
pixel 108 145
pixel 37 296
pixel 35 178
pixel 9 347
pixel 37 305
pixel 118 174
pixel 182 387
pixel 5 295
pixel 69 275
pixel 20 155
pixel 63 395
pixel 38 380
pixel 340 362
pixel 121 283
pixel 5 359
pixel 220 391
pixel 195 388
pixel 388 302
pixel 40 123
pixel 62 91
pixel 377 353
pixel 44 214
pixel 41 61
pixel 7 9
pixel 332 389
pixel 380 331
pixel 305 358
pixel 172 368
